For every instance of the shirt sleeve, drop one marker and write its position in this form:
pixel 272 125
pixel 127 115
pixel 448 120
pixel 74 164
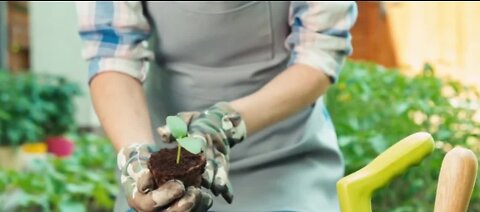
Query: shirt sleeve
pixel 114 36
pixel 320 34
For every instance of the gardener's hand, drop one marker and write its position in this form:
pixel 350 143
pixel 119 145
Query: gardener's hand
pixel 141 194
pixel 220 127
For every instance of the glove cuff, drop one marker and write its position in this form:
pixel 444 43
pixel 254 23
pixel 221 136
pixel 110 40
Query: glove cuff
pixel 232 123
pixel 138 150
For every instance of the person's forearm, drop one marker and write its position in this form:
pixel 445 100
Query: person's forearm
pixel 294 89
pixel 120 104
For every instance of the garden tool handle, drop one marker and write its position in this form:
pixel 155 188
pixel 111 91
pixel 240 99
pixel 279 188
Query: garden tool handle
pixel 355 190
pixel 456 180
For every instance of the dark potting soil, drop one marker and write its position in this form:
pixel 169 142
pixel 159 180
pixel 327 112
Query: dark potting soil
pixel 163 166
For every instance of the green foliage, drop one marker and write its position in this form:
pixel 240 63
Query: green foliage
pixel 178 129
pixel 33 107
pixel 83 182
pixel 177 126
pixel 373 107
pixel 60 93
pixel 193 145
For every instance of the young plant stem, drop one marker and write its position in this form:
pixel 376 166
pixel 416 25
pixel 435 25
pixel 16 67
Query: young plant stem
pixel 178 153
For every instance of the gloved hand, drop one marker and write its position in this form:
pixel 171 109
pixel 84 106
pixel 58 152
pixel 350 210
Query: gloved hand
pixel 220 127
pixel 138 185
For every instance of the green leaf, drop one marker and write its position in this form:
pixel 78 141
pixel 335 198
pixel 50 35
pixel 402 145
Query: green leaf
pixel 101 196
pixel 83 188
pixel 71 206
pixel 193 145
pixel 177 126
pixel 378 144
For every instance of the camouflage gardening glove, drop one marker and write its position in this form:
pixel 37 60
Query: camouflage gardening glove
pixel 220 127
pixel 141 194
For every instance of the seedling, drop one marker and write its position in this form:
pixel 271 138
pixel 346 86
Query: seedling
pixel 179 130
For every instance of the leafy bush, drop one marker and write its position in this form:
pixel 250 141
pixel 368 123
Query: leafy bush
pixel 83 182
pixel 60 93
pixel 34 106
pixel 373 107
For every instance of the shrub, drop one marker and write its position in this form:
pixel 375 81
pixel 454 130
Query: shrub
pixel 34 106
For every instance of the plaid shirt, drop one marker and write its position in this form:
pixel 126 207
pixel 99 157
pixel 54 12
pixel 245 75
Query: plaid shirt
pixel 115 34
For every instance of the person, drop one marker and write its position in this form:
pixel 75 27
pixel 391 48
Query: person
pixel 248 77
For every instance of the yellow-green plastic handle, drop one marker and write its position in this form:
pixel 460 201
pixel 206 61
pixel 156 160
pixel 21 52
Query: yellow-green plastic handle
pixel 355 190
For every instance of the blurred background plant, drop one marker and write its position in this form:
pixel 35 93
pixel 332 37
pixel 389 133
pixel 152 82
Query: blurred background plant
pixel 373 107
pixel 34 106
pixel 85 181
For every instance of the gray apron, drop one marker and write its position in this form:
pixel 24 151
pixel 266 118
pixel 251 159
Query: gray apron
pixel 220 51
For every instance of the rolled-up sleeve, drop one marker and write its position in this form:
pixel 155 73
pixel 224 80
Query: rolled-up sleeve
pixel 114 36
pixel 320 34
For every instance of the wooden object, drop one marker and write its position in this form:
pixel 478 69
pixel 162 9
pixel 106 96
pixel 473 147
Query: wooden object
pixel 456 181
